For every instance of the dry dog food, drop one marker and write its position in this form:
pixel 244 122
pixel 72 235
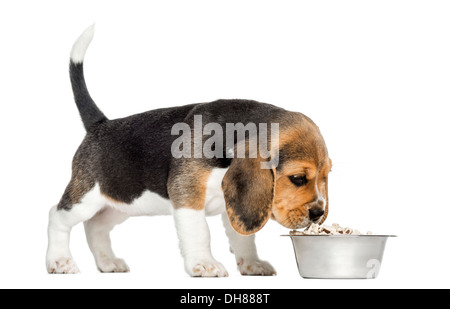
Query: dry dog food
pixel 334 229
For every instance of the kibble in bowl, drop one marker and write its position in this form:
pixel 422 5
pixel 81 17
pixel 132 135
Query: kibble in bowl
pixel 334 229
pixel 337 252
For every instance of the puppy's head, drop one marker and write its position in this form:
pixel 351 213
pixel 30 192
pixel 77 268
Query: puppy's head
pixel 294 193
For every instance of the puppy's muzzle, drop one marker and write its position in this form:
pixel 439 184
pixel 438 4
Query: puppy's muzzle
pixel 316 213
pixel 316 209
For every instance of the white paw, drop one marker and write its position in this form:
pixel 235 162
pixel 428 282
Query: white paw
pixel 255 267
pixel 112 265
pixel 206 268
pixel 64 265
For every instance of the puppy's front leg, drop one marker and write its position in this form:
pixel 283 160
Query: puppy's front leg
pixel 194 237
pixel 244 249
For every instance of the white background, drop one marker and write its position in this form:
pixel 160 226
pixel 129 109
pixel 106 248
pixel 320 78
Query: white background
pixel 374 75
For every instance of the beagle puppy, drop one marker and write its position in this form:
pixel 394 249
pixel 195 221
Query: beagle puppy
pixel 125 167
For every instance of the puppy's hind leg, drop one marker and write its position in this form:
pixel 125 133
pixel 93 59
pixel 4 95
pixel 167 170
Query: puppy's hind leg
pixel 97 234
pixel 61 220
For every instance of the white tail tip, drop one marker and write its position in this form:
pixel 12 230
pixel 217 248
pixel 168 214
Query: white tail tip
pixel 81 45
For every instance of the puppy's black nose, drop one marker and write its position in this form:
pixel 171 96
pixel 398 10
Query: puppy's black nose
pixel 315 213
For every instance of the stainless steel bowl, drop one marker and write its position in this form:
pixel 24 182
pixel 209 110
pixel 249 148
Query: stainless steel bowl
pixel 339 256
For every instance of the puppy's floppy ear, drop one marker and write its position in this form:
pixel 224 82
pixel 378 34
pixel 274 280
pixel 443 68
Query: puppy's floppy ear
pixel 248 192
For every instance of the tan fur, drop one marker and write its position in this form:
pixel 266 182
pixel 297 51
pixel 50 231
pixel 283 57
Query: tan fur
pixel 291 204
pixel 303 152
pixel 188 188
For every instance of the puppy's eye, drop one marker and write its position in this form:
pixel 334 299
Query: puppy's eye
pixel 298 180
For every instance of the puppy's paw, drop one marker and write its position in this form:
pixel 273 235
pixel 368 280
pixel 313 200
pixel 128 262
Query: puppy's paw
pixel 112 265
pixel 205 268
pixel 64 265
pixel 255 267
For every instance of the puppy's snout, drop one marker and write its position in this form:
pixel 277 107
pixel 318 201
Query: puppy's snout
pixel 315 213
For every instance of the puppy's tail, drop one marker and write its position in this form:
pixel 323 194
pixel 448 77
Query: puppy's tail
pixel 90 114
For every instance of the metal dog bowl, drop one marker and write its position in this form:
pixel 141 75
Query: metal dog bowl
pixel 339 256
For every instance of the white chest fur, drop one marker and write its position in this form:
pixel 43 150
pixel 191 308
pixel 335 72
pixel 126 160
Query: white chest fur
pixel 151 204
pixel 214 201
